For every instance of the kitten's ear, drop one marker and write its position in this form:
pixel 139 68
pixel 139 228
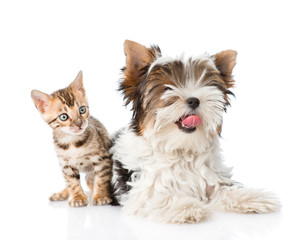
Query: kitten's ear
pixel 41 100
pixel 77 84
pixel 225 62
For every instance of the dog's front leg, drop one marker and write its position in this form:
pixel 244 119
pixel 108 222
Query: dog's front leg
pixel 168 209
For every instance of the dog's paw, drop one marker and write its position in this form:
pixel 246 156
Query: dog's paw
pixel 262 203
pixel 251 201
pixel 191 215
pixel 78 202
pixel 101 200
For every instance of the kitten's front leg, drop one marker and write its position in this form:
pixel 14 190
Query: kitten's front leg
pixel 102 177
pixel 78 197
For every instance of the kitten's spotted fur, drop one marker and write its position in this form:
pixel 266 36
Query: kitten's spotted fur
pixel 81 143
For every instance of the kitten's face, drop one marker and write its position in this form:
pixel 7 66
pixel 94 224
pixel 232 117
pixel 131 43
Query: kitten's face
pixel 66 109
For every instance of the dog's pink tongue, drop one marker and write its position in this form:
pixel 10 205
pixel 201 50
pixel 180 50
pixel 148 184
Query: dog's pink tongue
pixel 191 121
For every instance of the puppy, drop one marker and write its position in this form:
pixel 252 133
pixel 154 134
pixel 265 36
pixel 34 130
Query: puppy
pixel 168 164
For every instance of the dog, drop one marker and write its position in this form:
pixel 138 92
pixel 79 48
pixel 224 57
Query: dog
pixel 167 165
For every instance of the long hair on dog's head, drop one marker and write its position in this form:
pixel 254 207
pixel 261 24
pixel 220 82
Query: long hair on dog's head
pixel 177 103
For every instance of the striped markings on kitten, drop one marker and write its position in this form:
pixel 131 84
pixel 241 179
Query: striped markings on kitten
pixel 81 143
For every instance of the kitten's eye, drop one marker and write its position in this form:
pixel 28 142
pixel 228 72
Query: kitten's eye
pixel 63 117
pixel 82 110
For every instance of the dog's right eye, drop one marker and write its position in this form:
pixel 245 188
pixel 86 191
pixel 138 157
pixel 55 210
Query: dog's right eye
pixel 167 88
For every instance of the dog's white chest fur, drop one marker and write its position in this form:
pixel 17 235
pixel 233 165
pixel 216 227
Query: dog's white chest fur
pixel 159 173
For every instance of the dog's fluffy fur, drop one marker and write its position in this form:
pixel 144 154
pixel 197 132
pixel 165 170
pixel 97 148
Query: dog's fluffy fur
pixel 163 170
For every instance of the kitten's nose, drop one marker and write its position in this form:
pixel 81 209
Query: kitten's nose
pixel 78 122
pixel 193 102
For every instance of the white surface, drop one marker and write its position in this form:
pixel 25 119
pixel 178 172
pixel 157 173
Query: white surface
pixel 44 44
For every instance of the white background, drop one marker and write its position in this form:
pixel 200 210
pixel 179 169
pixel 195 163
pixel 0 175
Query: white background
pixel 43 45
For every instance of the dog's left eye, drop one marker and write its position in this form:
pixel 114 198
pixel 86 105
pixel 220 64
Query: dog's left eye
pixel 167 89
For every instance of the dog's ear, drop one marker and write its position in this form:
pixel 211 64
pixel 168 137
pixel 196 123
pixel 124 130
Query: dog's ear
pixel 225 62
pixel 138 59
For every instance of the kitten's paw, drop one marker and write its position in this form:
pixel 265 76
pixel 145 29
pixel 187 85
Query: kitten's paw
pixel 78 202
pixel 61 196
pixel 101 200
pixel 57 197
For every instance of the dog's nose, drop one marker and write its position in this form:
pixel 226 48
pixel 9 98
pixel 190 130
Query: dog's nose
pixel 78 122
pixel 193 102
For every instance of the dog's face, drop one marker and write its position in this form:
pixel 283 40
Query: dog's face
pixel 177 103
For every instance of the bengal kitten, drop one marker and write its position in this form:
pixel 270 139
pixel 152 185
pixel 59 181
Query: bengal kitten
pixel 81 143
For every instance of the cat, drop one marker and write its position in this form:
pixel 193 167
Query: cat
pixel 81 143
